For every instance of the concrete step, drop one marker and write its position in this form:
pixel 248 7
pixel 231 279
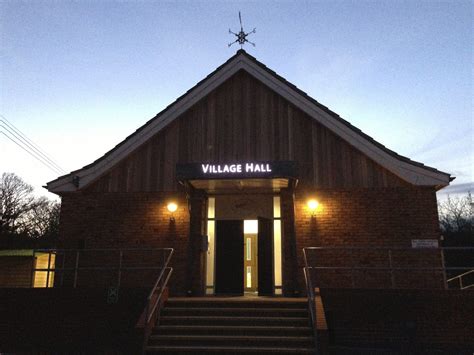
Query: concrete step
pixel 233 325
pixel 239 311
pixel 225 350
pixel 237 302
pixel 233 330
pixel 232 340
pixel 226 320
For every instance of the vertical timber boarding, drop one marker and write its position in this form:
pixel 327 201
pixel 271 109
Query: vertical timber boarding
pixel 243 120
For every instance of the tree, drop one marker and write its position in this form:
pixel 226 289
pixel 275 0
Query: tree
pixel 457 224
pixel 43 219
pixel 456 214
pixel 24 218
pixel 17 201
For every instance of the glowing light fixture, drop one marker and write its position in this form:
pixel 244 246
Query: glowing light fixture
pixel 312 206
pixel 172 207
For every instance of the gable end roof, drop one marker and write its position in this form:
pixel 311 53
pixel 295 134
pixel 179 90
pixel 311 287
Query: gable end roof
pixel 413 172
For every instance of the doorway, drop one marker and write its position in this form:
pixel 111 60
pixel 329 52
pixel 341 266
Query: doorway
pixel 244 257
pixel 244 250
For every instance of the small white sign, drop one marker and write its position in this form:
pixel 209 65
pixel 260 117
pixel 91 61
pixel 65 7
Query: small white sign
pixel 424 243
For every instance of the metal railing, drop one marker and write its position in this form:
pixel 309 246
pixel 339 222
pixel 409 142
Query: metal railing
pixel 102 267
pixel 115 263
pixel 380 267
pixel 154 301
pixel 459 279
pixel 388 261
pixel 312 308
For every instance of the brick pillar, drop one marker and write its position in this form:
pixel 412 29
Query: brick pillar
pixel 290 265
pixel 197 255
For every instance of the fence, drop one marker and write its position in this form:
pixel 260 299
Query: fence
pixel 92 267
pixel 384 267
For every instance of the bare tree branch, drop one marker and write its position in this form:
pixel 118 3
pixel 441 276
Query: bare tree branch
pixel 456 214
pixel 23 215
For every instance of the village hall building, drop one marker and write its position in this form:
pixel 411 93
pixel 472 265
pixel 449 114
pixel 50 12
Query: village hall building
pixel 240 174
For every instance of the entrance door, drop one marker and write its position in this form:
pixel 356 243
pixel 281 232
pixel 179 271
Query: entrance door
pixel 229 241
pixel 265 257
pixel 250 263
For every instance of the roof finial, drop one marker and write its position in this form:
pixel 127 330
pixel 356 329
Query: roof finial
pixel 241 36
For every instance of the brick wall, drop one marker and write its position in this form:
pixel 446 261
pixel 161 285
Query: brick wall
pixel 411 321
pixel 385 217
pixel 15 271
pixel 128 220
pixel 70 321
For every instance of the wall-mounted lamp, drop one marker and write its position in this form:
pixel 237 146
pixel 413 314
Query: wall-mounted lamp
pixel 172 207
pixel 312 206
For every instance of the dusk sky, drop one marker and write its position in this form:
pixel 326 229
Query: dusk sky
pixel 77 77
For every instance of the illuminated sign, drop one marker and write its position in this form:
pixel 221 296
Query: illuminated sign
pixel 236 170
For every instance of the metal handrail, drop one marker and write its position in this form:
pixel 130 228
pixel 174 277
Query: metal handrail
pixel 391 268
pixel 460 277
pixel 312 308
pixel 151 308
pixel 311 303
pixel 52 269
pixel 386 268
pixel 98 249
pixel 387 248
pixel 157 283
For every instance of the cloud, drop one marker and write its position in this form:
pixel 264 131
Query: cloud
pixel 462 188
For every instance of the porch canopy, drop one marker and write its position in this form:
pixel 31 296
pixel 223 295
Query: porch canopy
pixel 253 176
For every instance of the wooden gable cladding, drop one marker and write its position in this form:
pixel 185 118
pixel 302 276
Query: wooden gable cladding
pixel 243 120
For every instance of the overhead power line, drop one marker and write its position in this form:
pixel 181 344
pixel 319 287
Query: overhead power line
pixel 21 140
pixel 30 152
pixel 30 143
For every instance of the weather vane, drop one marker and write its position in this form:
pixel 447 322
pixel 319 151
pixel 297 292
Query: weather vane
pixel 241 36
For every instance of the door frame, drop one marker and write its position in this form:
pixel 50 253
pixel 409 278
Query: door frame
pixel 277 259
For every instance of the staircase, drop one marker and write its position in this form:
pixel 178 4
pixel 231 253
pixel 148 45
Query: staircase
pixel 233 325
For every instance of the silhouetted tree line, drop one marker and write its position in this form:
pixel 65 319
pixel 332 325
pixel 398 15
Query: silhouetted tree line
pixel 26 221
pixel 456 217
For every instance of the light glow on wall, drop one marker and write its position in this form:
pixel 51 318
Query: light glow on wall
pixel 313 205
pixel 172 207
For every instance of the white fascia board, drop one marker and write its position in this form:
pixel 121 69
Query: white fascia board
pixel 414 174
